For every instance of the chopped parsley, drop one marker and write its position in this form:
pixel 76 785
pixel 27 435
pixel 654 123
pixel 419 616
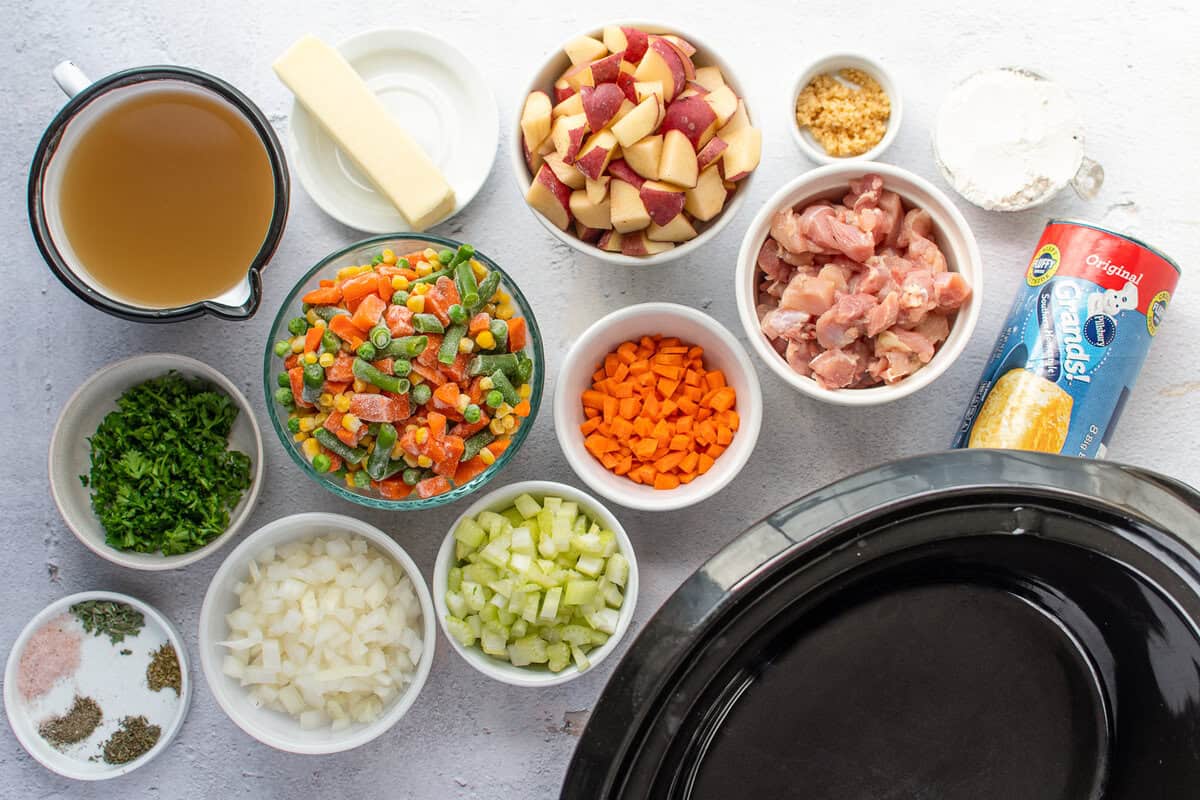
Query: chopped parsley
pixel 162 477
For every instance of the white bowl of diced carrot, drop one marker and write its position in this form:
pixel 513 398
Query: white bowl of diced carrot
pixel 657 407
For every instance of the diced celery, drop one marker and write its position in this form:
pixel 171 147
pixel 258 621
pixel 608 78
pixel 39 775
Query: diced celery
pixel 454 579
pixel 617 570
pixel 598 637
pixel 570 510
pixel 480 573
pixel 610 543
pixel 516 600
pixel 462 551
pixel 576 634
pixel 545 520
pixel 545 546
pixel 590 565
pixel 530 612
pixel 536 575
pixel 489 613
pixel 550 604
pixel 604 620
pixel 534 528
pixel 495 639
pixel 507 617
pixel 558 655
pixel 551 633
pixel 513 516
pixel 473 594
pixel 476 625
pixel 519 628
pixel 520 562
pixel 496 553
pixel 613 596
pixel 578 593
pixel 589 543
pixel 457 604
pixel 527 506
pixel 522 541
pixel 552 503
pixel 470 533
pixel 580 657
pixel 581 524
pixel 460 630
pixel 502 586
pixel 497 600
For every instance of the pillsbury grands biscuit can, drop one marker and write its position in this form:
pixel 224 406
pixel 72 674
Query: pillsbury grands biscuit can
pixel 1075 339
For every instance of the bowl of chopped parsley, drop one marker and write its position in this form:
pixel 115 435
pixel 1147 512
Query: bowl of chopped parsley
pixel 156 461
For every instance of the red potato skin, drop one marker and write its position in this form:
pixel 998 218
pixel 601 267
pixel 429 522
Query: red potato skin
pixel 601 103
pixel 562 91
pixel 636 41
pixel 710 152
pixel 605 70
pixel 633 244
pixel 692 116
pixel 685 61
pixel 561 192
pixel 625 83
pixel 623 172
pixel 586 234
pixel 661 206
pixel 592 162
pixel 674 61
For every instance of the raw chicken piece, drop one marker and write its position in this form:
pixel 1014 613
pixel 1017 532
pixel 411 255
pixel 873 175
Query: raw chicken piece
pixel 916 235
pixel 810 295
pixel 883 316
pixel 770 262
pixel 917 224
pixel 844 322
pixel 892 213
pixel 904 341
pixel 799 354
pixel 877 279
pixel 786 323
pixel 916 297
pixel 864 192
pixel 834 369
pixel 950 290
pixel 837 276
pixel 894 365
pixel 935 328
pixel 789 228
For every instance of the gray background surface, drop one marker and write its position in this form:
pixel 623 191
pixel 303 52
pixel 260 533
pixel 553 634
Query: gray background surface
pixel 1131 66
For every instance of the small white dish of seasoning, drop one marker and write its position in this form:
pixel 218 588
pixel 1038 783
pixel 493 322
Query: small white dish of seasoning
pixel 97 685
pixel 845 106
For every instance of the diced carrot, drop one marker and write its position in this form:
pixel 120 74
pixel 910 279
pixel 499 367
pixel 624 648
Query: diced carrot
pixel 368 313
pixel 469 469
pixel 399 321
pixel 598 444
pixel 291 361
pixel 629 407
pixel 593 399
pixel 715 379
pixel 704 464
pixel 356 288
pixel 610 408
pixel 393 488
pixel 589 425
pixel 467 429
pixel 385 365
pixel 346 331
pixel 723 399
pixel 296 377
pixel 724 435
pixel 689 462
pixel 430 374
pixel 668 462
pixel 437 424
pixel 479 323
pixel 312 339
pixel 342 369
pixel 516 334
pixel 431 487
pixel 663 481
pixel 326 282
pixel 523 409
pixel 714 451
pixel 323 296
pixel 383 282
pixel 680 442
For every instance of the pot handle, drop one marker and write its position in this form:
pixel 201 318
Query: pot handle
pixel 70 78
pixel 245 309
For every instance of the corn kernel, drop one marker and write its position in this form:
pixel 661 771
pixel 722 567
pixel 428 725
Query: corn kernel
pixel 505 311
pixel 479 270
pixel 424 461
pixel 525 391
pixel 359 385
pixel 371 389
pixel 300 437
pixel 310 358
pixel 319 323
pixel 415 378
pixel 307 424
pixel 416 303
pixel 422 435
pixel 298 344
pixel 496 426
pixel 410 459
pixel 320 417
pixel 423 269
pixel 326 360
pixel 486 340
pixel 423 288
pixel 389 257
pixel 510 423
pixel 462 403
pixel 465 345
pixel 365 268
pixel 347 272
pixel 397 451
pixel 351 423
pixel 325 400
pixel 342 403
pixel 350 479
pixel 430 254
pixel 486 456
pixel 310 447
pixel 502 296
pixel 503 411
pixel 486 384
pixel 312 317
pixel 399 283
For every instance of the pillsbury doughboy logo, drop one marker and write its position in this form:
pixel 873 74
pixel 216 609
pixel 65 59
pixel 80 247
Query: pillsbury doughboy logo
pixel 1103 306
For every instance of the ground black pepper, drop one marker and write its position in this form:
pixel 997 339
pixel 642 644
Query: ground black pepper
pixel 74 726
pixel 134 738
pixel 163 670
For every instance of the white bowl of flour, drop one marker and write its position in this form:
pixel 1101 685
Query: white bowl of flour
pixel 1009 139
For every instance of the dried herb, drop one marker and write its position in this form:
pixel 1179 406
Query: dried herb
pixel 163 670
pixel 162 476
pixel 74 726
pixel 126 651
pixel 134 738
pixel 117 620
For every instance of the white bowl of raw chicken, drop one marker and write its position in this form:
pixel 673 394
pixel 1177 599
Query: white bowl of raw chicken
pixel 950 233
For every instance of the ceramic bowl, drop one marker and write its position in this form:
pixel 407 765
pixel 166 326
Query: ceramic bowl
pixel 360 253
pixel 833 63
pixel 69 455
pixel 721 351
pixel 533 675
pixel 274 728
pixel 543 79
pixel 107 683
pixel 829 183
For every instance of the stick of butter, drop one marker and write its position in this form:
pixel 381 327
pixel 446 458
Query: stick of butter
pixel 325 83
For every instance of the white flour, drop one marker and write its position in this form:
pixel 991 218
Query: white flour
pixel 1007 139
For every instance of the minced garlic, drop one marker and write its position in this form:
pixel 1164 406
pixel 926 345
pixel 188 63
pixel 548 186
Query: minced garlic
pixel 847 117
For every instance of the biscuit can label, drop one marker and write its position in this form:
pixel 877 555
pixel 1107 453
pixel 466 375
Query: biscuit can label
pixel 1070 351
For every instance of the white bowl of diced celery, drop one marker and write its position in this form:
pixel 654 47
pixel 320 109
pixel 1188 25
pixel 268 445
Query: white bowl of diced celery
pixel 535 583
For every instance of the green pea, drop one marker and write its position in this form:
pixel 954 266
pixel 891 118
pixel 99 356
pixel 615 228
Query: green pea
pixel 297 326
pixel 366 351
pixel 361 479
pixel 321 462
pixel 330 342
pixel 401 368
pixel 403 264
pixel 304 307
pixel 293 425
pixel 282 349
pixel 283 380
pixel 457 313
pixel 472 414
pixel 399 297
pixel 411 476
pixel 284 397
pixel 494 398
pixel 421 394
pixel 377 260
pixel 446 256
pixel 314 376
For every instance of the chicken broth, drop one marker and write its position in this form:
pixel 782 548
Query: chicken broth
pixel 167 197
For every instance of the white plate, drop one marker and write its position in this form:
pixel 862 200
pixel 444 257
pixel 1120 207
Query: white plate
pixel 118 693
pixel 443 102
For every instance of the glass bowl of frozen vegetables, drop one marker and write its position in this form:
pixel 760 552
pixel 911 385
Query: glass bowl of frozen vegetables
pixel 404 371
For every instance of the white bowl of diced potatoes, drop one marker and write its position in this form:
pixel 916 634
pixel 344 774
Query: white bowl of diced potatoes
pixel 535 584
pixel 316 633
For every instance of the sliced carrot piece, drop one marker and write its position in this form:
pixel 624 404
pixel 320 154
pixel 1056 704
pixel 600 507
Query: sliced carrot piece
pixel 323 296
pixel 516 334
pixel 346 331
pixel 312 339
pixel 663 481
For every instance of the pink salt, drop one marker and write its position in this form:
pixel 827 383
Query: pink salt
pixel 50 655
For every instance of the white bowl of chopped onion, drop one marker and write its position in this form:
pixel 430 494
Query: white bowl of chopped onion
pixel 316 633
pixel 538 674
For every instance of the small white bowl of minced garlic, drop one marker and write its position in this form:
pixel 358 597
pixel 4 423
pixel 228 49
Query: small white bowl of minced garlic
pixel 845 106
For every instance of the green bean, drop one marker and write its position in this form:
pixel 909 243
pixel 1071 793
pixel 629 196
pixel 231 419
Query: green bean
pixel 377 462
pixel 401 368
pixel 330 342
pixel 486 365
pixel 464 253
pixel 405 347
pixel 499 329
pixel 329 312
pixel 501 384
pixel 427 323
pixel 449 349
pixel 432 277
pixel 487 288
pixel 421 394
pixel 389 383
pixel 476 443
pixel 524 369
pixel 380 336
pixel 311 394
pixel 330 442
pixel 468 288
